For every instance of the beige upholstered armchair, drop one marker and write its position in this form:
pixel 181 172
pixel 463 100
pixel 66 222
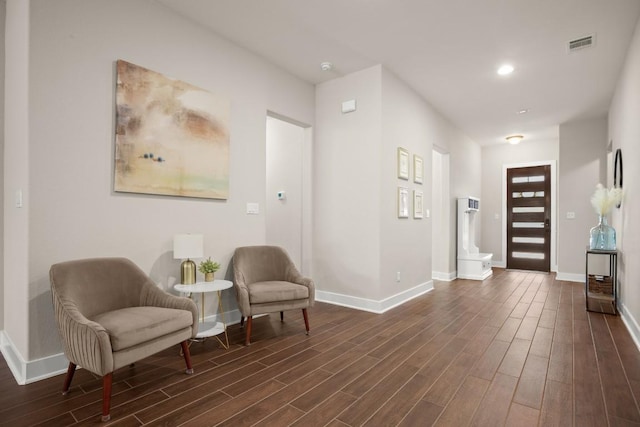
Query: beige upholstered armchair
pixel 267 281
pixel 110 314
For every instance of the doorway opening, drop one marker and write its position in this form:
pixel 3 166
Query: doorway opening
pixel 288 188
pixel 442 256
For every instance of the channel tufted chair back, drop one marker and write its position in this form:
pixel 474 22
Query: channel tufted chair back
pixel 110 314
pixel 267 281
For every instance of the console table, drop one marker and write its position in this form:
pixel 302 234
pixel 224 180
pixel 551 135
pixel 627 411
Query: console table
pixel 209 328
pixel 601 281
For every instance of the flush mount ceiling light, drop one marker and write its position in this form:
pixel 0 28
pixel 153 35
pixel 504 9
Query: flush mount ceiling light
pixel 326 66
pixel 505 69
pixel 522 111
pixel 514 139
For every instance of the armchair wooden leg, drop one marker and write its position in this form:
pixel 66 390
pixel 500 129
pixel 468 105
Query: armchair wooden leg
pixel 187 357
pixel 247 340
pixel 107 380
pixel 67 381
pixel 282 316
pixel 242 321
pixel 306 319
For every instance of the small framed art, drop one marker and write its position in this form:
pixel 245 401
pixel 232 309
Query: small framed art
pixel 418 204
pixel 403 202
pixel 403 163
pixel 418 169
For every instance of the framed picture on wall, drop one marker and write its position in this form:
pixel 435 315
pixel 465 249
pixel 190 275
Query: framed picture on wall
pixel 418 204
pixel 403 202
pixel 403 163
pixel 418 169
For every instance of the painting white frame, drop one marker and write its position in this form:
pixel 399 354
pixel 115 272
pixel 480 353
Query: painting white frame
pixel 418 169
pixel 403 163
pixel 418 204
pixel 403 202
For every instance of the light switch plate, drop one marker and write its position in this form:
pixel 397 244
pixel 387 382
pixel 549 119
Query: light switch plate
pixel 253 208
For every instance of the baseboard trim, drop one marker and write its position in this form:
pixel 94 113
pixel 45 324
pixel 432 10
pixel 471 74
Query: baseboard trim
pixel 35 370
pixel 26 372
pixel 370 305
pixel 632 325
pixel 570 277
pixel 498 264
pixel 445 277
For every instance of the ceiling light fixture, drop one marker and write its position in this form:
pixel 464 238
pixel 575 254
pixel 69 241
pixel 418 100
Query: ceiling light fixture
pixel 505 69
pixel 514 139
pixel 326 66
pixel 523 111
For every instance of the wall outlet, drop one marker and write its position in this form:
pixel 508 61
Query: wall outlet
pixel 571 215
pixel 398 276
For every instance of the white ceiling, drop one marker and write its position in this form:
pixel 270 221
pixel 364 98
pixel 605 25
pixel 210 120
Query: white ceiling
pixel 448 51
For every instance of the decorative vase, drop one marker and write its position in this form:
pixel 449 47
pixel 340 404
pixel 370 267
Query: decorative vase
pixel 603 236
pixel 208 277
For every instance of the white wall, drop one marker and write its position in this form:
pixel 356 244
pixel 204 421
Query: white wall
pixel 494 157
pixel 407 121
pixel 347 158
pixel 624 131
pixel 466 178
pixel 360 243
pixel 583 155
pixel 284 173
pixel 3 6
pixel 16 176
pixel 75 214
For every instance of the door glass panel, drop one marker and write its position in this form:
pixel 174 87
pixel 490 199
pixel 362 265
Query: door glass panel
pixel 528 225
pixel 523 179
pixel 537 240
pixel 529 210
pixel 528 255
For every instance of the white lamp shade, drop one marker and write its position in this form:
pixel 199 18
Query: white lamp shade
pixel 188 246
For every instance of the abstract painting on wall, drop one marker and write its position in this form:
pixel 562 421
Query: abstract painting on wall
pixel 172 138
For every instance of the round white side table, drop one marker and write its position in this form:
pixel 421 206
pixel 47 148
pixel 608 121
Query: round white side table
pixel 209 328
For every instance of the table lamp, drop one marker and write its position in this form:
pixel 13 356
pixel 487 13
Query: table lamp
pixel 187 246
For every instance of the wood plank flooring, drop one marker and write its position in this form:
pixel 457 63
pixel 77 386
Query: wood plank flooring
pixel 518 349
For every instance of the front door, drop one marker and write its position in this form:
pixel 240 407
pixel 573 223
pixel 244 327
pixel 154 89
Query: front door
pixel 529 218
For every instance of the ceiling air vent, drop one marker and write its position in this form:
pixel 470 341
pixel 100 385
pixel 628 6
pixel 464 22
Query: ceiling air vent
pixel 581 43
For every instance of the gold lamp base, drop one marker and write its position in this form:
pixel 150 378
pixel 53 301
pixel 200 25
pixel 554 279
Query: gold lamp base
pixel 188 272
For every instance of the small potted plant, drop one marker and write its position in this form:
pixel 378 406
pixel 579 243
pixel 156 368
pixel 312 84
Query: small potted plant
pixel 208 267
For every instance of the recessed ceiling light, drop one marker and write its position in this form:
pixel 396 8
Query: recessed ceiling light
pixel 505 69
pixel 326 66
pixel 514 139
pixel 523 111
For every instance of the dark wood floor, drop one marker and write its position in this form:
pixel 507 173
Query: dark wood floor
pixel 518 349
